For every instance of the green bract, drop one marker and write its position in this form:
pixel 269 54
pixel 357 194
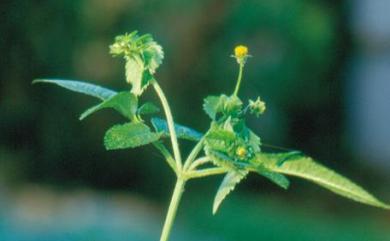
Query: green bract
pixel 142 55
pixel 228 147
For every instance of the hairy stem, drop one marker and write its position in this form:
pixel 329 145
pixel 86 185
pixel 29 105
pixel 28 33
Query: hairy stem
pixel 198 162
pixel 171 125
pixel 168 157
pixel 195 151
pixel 239 78
pixel 206 172
pixel 174 204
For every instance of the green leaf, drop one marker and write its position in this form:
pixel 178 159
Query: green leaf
pixel 147 109
pixel 220 140
pixel 254 141
pixel 305 167
pixel 134 74
pixel 232 106
pixel 124 102
pixel 129 135
pixel 277 178
pixel 81 87
pixel 182 132
pixel 143 56
pixel 228 106
pixel 153 56
pixel 228 184
pixel 212 106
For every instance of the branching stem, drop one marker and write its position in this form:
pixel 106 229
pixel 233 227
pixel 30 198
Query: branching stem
pixel 171 125
pixel 195 151
pixel 206 172
pixel 198 162
pixel 172 210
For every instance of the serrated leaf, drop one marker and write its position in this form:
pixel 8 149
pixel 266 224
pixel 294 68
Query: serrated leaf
pixel 277 178
pixel 182 132
pixel 254 141
pixel 228 184
pixel 220 140
pixel 232 105
pixel 81 87
pixel 306 168
pixel 227 105
pixel 143 56
pixel 212 106
pixel 124 102
pixel 129 135
pixel 134 74
pixel 153 56
pixel 221 135
pixel 147 109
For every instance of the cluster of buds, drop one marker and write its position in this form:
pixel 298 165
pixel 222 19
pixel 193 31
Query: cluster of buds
pixel 257 107
pixel 124 45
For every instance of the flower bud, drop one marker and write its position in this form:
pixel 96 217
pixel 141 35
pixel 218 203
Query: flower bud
pixel 257 107
pixel 241 152
pixel 241 53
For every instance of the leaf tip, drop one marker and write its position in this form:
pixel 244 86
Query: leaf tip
pixel 37 81
pixel 216 207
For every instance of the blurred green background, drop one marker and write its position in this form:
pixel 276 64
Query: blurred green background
pixel 58 183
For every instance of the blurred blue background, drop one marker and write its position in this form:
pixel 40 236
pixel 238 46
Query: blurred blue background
pixel 323 68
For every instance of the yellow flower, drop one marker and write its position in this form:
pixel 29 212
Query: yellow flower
pixel 241 152
pixel 240 51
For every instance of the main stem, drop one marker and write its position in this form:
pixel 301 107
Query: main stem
pixel 171 125
pixel 239 78
pixel 174 204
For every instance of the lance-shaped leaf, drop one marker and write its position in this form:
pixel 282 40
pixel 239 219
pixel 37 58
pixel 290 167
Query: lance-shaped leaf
pixel 277 178
pixel 305 167
pixel 129 135
pixel 182 132
pixel 81 87
pixel 124 102
pixel 228 184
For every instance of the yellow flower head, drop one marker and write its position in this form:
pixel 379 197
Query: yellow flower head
pixel 241 152
pixel 240 51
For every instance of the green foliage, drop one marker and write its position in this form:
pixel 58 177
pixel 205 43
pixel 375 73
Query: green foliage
pixel 129 135
pixel 227 106
pixel 228 184
pixel 124 102
pixel 277 178
pixel 142 55
pixel 182 132
pixel 134 74
pixel 148 109
pixel 229 145
pixel 306 168
pixel 81 87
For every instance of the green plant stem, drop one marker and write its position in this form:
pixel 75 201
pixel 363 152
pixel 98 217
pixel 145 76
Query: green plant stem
pixel 195 151
pixel 168 157
pixel 206 172
pixel 198 162
pixel 171 125
pixel 239 78
pixel 174 204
